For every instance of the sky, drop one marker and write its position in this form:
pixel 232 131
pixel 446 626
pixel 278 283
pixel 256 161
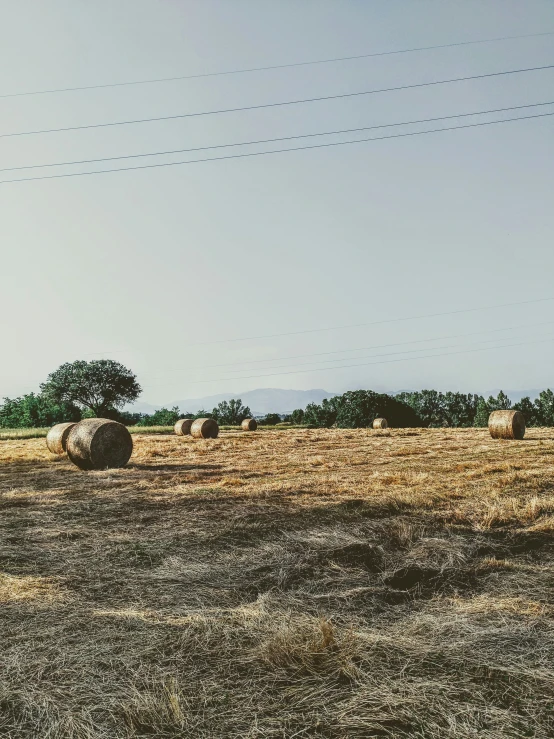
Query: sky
pixel 241 273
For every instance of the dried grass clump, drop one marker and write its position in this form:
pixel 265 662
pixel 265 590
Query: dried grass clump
pixel 249 424
pixel 380 423
pixel 182 427
pixel 99 444
pixel 204 428
pixel 507 425
pixel 56 438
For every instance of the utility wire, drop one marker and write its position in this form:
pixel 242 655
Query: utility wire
pixel 272 151
pixel 373 356
pixel 370 356
pixel 273 66
pixel 361 349
pixel 281 138
pixel 336 351
pixel 375 323
pixel 366 364
pixel 279 104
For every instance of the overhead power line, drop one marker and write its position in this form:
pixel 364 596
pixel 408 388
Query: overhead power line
pixel 363 348
pixel 367 364
pixel 274 140
pixel 280 103
pixel 272 66
pixel 274 151
pixel 372 356
pixel 376 323
pixel 369 356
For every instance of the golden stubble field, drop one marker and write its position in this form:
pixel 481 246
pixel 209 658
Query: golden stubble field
pixel 300 583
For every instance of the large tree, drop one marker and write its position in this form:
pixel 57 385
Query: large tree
pixel 100 385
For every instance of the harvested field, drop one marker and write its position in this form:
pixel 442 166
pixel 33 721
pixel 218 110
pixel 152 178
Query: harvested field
pixel 293 583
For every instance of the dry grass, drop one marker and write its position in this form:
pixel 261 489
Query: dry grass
pixel 301 583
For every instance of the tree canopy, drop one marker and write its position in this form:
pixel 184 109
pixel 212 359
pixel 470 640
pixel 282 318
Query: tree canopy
pixel 100 385
pixel 231 413
pixel 35 411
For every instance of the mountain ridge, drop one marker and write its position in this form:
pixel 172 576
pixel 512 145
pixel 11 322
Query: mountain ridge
pixel 260 401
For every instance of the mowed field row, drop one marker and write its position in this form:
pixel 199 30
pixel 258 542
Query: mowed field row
pixel 293 583
pixel 37 433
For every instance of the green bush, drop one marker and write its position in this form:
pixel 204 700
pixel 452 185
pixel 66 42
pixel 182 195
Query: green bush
pixel 271 419
pixel 436 409
pixel 358 409
pixel 163 417
pixel 231 413
pixel 296 417
pixel 36 411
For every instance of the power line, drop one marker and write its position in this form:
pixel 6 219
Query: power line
pixel 363 348
pixel 375 323
pixel 273 66
pixel 278 104
pixel 371 356
pixel 336 351
pixel 340 351
pixel 273 151
pixel 281 138
pixel 367 364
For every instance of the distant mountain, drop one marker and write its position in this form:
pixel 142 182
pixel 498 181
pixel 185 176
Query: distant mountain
pixel 260 402
pixel 141 407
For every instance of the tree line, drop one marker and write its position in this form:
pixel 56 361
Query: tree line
pixel 103 387
pixel 423 408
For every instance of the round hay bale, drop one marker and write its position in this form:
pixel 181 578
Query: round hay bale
pixel 507 425
pixel 182 427
pixel 249 424
pixel 99 444
pixel 56 438
pixel 204 428
pixel 380 423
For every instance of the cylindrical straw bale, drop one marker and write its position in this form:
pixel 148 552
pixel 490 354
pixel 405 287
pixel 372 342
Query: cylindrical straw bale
pixel 380 423
pixel 507 425
pixel 182 427
pixel 99 444
pixel 249 424
pixel 204 428
pixel 56 438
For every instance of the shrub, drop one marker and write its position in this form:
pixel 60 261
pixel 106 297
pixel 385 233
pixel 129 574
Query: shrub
pixel 35 411
pixel 163 417
pixel 231 413
pixel 270 419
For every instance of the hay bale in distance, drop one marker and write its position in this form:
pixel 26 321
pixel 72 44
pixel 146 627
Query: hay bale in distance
pixel 99 444
pixel 56 438
pixel 507 425
pixel 204 428
pixel 380 423
pixel 182 427
pixel 249 424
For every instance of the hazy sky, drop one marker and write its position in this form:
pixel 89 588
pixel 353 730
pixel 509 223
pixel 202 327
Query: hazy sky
pixel 147 266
